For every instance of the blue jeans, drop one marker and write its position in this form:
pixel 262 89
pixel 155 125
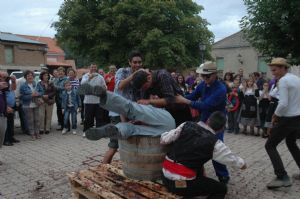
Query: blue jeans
pixel 155 120
pixel 67 112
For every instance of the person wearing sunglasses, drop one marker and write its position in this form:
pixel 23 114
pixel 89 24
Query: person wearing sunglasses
pixel 212 95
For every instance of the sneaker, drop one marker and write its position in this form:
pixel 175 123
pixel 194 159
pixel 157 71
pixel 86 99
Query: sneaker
pixel 74 132
pixel 38 136
pixel 64 131
pixel 83 135
pixel 277 182
pixel 33 137
pixel 85 89
pixel 108 130
pixel 14 140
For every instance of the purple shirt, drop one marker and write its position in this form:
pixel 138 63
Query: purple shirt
pixel 190 80
pixel 2 102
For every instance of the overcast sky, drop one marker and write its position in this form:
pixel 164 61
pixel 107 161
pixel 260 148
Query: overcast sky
pixel 34 17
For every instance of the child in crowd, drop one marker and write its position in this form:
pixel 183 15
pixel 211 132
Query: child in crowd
pixel 249 109
pixel 70 103
pixel 233 109
pixel 263 96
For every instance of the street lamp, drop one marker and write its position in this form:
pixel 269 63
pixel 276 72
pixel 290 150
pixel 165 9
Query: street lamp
pixel 202 48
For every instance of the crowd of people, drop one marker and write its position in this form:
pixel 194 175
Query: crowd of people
pixel 192 113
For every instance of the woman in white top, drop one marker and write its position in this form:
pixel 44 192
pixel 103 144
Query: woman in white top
pixel 249 109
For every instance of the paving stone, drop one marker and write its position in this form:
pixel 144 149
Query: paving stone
pixel 31 163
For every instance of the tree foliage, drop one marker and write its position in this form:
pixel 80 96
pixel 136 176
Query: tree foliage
pixel 166 32
pixel 273 27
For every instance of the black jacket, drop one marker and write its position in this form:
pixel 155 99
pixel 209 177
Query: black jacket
pixel 194 147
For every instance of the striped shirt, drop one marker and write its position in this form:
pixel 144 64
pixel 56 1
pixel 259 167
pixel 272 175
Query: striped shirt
pixel 74 83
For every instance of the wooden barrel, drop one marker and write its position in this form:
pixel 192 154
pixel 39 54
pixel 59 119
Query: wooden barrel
pixel 142 157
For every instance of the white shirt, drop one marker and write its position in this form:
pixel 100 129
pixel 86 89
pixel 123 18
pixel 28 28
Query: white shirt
pixel 289 96
pixel 97 80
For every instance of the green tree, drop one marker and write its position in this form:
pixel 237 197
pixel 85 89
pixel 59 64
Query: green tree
pixel 273 27
pixel 166 32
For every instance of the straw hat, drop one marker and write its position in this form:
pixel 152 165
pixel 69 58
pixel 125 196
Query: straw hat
pixel 207 68
pixel 279 61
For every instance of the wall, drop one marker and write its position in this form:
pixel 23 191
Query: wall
pixel 26 56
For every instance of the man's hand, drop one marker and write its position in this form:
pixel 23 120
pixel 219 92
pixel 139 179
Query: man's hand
pixel 274 119
pixel 34 94
pixel 181 100
pixel 144 101
pixel 9 110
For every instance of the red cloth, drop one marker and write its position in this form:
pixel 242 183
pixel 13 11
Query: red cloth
pixel 178 169
pixel 110 81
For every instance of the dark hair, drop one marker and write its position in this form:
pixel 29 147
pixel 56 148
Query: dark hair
pixel 183 81
pixel 134 53
pixel 217 120
pixel 230 74
pixel 139 79
pixel 71 69
pixel 256 74
pixel 43 73
pixel 27 72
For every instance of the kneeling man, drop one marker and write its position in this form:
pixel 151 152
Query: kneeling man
pixel 193 144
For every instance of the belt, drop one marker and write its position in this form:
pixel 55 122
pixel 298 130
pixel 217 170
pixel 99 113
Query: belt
pixel 291 117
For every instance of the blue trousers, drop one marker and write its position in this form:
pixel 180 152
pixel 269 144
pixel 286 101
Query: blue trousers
pixel 67 112
pixel 221 170
pixel 155 121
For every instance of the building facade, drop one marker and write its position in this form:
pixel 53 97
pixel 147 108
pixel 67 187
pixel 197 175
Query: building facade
pixel 18 53
pixel 234 52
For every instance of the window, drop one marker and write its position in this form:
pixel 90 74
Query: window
pixel 220 66
pixel 262 65
pixel 9 54
pixel 220 63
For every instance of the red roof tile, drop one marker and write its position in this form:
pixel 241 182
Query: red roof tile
pixel 51 42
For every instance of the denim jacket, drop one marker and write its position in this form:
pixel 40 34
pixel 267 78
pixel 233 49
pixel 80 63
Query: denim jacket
pixel 26 93
pixel 74 97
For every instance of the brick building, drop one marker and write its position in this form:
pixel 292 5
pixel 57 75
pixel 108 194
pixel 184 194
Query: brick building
pixel 55 56
pixel 18 53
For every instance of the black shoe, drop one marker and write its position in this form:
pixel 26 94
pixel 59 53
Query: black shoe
pixel 14 140
pixel 108 130
pixel 41 132
pixel 26 132
pixel 60 129
pixel 8 143
pixel 47 132
pixel 85 89
pixel 224 179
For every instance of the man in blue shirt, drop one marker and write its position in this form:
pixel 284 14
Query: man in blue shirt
pixel 212 94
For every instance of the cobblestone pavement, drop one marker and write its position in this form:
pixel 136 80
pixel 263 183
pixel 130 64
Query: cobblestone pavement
pixel 37 169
